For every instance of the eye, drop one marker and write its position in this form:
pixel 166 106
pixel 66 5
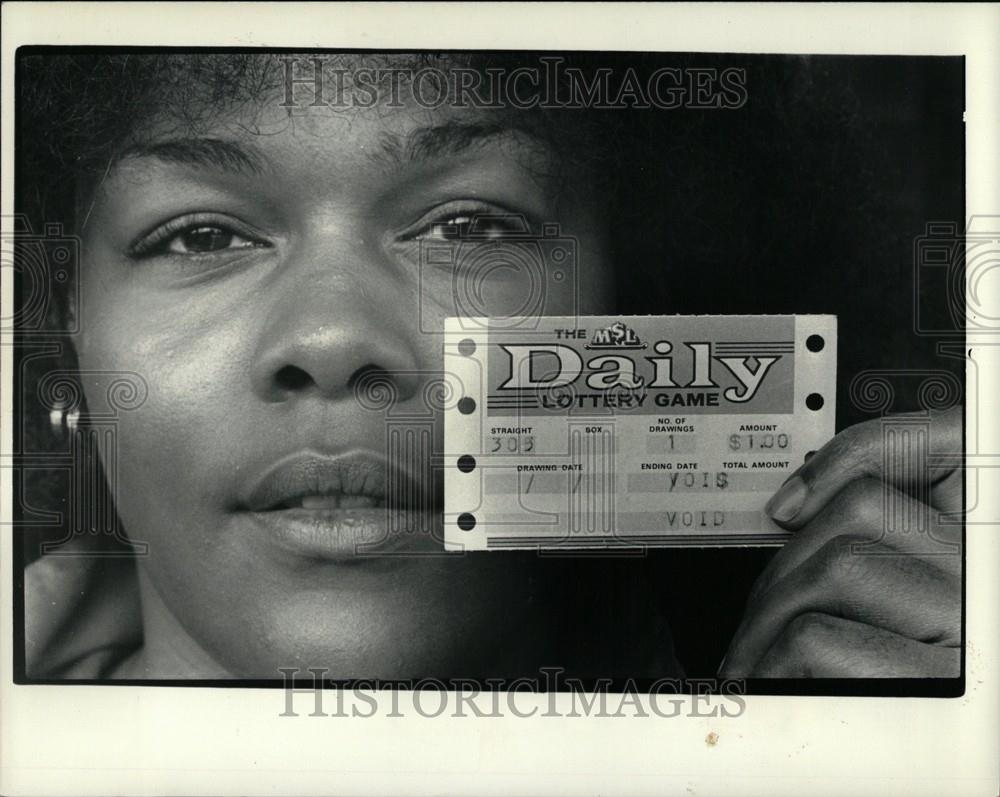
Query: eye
pixel 451 229
pixel 478 225
pixel 198 240
pixel 192 236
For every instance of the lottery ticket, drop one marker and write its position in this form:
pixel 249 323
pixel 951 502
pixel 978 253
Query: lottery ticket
pixel 601 432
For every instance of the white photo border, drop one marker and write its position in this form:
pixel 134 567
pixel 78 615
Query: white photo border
pixel 167 740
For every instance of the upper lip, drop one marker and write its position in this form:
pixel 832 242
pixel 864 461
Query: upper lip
pixel 306 474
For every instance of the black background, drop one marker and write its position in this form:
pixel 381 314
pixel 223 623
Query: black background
pixel 808 199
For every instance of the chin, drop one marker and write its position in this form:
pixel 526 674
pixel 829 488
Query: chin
pixel 412 627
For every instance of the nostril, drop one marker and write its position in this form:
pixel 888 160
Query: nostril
pixel 291 377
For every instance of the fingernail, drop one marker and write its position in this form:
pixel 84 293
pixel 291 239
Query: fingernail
pixel 786 503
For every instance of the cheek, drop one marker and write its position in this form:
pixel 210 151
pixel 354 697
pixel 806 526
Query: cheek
pixel 563 276
pixel 596 278
pixel 166 399
pixel 171 454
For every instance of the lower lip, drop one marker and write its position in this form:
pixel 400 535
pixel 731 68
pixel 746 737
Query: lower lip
pixel 353 535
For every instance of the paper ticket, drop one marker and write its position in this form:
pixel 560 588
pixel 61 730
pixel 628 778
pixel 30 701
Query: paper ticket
pixel 600 432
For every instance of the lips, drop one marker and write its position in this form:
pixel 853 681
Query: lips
pixel 315 482
pixel 321 501
pixel 344 507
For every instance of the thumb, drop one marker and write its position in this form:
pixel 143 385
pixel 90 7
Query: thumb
pixel 895 449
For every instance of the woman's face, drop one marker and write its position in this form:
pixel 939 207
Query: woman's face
pixel 256 273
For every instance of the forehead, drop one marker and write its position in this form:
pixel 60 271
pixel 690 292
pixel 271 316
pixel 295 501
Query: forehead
pixel 265 91
pixel 389 109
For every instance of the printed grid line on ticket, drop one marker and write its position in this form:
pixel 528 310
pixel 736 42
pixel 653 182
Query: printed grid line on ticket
pixel 599 432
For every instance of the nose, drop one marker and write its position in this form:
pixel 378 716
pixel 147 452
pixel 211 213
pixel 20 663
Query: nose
pixel 333 332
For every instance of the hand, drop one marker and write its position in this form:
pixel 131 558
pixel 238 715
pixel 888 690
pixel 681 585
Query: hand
pixel 847 597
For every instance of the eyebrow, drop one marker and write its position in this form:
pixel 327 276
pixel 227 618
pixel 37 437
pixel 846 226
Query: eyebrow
pixel 421 144
pixel 227 156
pixel 450 138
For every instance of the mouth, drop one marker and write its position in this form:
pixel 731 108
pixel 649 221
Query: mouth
pixel 328 501
pixel 345 508
pixel 314 482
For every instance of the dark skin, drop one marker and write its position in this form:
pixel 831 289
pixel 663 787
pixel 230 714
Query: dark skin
pixel 212 282
pixel 844 597
pixel 215 284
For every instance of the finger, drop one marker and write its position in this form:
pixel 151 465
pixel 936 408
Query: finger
pixel 816 645
pixel 861 451
pixel 872 511
pixel 900 593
